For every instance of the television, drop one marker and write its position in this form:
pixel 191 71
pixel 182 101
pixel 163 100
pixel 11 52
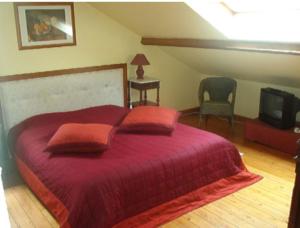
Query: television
pixel 277 108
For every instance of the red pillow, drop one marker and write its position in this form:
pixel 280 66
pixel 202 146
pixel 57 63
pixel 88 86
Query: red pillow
pixel 150 119
pixel 74 137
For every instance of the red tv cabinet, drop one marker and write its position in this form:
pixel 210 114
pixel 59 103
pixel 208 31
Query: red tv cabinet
pixel 283 140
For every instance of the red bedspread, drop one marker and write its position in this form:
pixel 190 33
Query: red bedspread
pixel 138 172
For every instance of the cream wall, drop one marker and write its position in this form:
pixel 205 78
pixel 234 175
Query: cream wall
pixel 248 96
pixel 100 40
pixel 177 20
pixel 279 69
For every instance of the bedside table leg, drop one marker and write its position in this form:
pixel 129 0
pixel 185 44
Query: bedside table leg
pixel 145 97
pixel 141 97
pixel 157 97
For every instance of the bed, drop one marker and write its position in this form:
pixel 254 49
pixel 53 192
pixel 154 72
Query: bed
pixel 137 173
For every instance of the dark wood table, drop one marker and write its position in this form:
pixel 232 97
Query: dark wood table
pixel 142 86
pixel 294 220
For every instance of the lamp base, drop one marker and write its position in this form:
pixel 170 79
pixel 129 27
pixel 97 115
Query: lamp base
pixel 140 72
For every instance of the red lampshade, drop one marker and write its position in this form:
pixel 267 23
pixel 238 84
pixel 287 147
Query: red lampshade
pixel 140 59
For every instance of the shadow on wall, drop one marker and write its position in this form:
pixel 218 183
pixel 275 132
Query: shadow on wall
pixel 298 117
pixel 280 80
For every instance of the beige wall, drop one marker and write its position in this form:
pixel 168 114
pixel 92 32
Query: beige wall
pixel 276 69
pixel 177 20
pixel 248 96
pixel 252 70
pixel 100 40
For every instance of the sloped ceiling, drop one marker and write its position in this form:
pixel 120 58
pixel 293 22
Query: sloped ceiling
pixel 177 20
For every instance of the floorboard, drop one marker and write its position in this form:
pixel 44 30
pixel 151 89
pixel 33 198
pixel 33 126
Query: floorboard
pixel 264 204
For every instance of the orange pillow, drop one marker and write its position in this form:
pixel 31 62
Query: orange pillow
pixel 75 137
pixel 150 119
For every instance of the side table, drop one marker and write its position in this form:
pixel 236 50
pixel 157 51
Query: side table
pixel 142 86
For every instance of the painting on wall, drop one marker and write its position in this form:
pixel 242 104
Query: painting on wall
pixel 41 25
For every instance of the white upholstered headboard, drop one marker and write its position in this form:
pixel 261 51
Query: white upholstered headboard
pixel 26 95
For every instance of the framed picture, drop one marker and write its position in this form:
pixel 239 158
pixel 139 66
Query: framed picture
pixel 41 25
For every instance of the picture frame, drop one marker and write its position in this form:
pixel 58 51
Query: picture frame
pixel 45 24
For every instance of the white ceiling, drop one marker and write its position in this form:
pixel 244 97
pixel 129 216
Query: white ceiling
pixel 177 20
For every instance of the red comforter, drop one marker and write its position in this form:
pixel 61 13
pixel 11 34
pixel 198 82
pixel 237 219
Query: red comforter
pixel 138 172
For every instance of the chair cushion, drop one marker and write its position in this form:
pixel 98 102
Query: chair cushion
pixel 216 108
pixel 74 137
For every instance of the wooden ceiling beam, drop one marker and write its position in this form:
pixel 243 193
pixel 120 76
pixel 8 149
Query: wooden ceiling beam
pixel 235 45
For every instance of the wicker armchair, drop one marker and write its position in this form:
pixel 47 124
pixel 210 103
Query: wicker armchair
pixel 219 90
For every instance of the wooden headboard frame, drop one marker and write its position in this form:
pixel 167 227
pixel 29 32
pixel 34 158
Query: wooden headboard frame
pixel 66 72
pixel 43 74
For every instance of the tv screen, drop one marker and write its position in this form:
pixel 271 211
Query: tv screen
pixel 277 108
pixel 272 105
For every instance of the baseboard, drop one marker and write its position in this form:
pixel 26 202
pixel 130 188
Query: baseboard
pixel 241 118
pixel 190 110
pixel 196 110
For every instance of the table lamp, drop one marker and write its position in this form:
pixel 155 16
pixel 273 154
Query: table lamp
pixel 140 60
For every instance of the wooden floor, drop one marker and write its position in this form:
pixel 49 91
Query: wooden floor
pixel 262 205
